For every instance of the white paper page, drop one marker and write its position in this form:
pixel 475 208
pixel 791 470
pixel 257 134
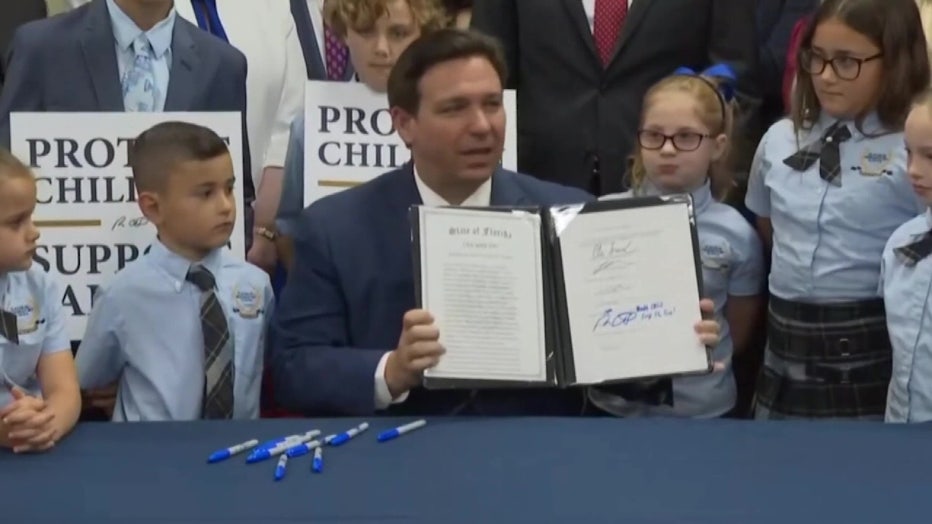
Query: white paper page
pixel 481 279
pixel 632 293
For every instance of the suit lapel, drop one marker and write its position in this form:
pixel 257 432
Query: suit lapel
pixel 183 85
pixel 506 191
pixel 99 50
pixel 636 12
pixel 577 16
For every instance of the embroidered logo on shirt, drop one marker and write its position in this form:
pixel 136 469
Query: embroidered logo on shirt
pixel 874 164
pixel 27 317
pixel 247 300
pixel 716 255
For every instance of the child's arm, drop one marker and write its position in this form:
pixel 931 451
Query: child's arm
pixel 59 381
pixel 745 307
pixel 99 358
pixel 744 315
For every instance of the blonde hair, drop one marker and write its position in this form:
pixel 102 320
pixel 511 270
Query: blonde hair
pixel 11 167
pixel 715 113
pixel 361 15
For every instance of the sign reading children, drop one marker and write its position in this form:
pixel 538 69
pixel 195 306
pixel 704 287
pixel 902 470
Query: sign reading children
pixel 86 208
pixel 349 138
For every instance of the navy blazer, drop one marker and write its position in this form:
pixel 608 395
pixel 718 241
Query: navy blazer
pixel 352 283
pixel 68 63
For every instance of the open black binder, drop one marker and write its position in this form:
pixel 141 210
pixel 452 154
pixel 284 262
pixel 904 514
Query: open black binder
pixel 559 347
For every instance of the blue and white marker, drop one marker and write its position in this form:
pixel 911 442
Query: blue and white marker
pixel 281 467
pixel 343 438
pixel 317 464
pixel 266 453
pixel 275 442
pixel 224 454
pixel 303 449
pixel 391 434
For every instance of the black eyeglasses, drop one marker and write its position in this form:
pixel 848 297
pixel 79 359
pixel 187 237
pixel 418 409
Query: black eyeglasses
pixel 845 67
pixel 682 141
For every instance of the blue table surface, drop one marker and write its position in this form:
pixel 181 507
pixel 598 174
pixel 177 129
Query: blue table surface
pixel 484 470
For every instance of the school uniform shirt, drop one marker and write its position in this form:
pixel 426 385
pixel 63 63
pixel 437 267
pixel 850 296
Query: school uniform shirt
pixel 828 239
pixel 264 31
pixel 35 298
pixel 732 265
pixel 907 294
pixel 145 330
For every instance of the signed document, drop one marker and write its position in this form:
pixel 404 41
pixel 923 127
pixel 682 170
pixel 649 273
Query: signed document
pixel 481 279
pixel 632 292
pixel 574 295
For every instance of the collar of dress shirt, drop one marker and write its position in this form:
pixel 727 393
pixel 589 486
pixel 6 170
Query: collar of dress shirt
pixel 482 197
pixel 126 31
pixel 176 266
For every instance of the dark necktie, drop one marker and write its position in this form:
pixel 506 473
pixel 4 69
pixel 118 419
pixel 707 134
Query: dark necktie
pixel 218 348
pixel 826 151
pixel 607 20
pixel 208 18
pixel 911 254
pixel 337 55
pixel 8 328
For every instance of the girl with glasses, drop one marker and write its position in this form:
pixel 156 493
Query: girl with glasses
pixel 829 186
pixel 684 142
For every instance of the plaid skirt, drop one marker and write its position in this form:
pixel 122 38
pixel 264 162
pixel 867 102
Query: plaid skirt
pixel 825 361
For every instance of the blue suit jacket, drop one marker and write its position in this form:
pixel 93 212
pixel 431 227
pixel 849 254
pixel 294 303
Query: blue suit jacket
pixel 351 285
pixel 68 63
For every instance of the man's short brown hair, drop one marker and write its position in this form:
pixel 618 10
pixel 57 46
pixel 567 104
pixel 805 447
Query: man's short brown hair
pixel 361 15
pixel 436 48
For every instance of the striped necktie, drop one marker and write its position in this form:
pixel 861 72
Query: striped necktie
pixel 911 254
pixel 218 348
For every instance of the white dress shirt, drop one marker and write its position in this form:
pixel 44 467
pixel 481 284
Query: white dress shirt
pixel 482 197
pixel 589 6
pixel 264 31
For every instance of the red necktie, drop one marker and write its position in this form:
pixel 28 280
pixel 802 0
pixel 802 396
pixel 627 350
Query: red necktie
pixel 337 55
pixel 606 25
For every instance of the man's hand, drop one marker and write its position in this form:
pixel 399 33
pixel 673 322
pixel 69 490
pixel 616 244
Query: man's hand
pixel 28 422
pixel 418 349
pixel 263 254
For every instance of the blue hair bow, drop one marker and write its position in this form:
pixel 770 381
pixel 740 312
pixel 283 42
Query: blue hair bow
pixel 723 72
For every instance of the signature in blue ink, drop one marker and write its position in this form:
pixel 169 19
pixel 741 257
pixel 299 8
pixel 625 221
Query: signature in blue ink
pixel 615 317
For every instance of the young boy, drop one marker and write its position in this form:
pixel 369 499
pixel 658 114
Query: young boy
pixel 906 283
pixel 39 396
pixel 182 328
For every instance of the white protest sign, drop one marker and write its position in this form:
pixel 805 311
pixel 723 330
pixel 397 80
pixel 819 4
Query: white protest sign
pixel 86 208
pixel 349 138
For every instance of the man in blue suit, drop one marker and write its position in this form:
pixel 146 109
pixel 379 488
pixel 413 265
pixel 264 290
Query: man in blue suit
pixel 348 338
pixel 86 59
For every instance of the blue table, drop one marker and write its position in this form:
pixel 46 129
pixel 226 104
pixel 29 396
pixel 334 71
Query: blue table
pixel 484 471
